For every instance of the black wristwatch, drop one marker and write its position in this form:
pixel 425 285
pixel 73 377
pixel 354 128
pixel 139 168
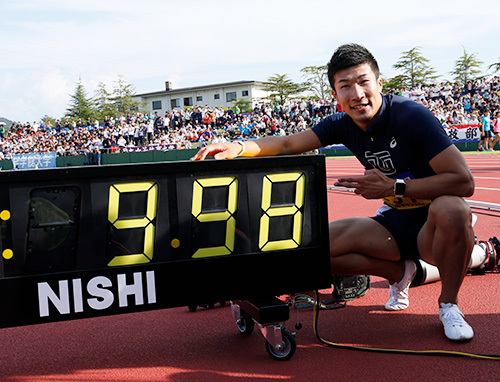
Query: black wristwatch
pixel 399 188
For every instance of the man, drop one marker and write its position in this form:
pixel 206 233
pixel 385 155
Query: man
pixel 158 123
pixel 411 163
pixel 486 134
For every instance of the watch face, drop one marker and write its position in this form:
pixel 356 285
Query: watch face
pixel 399 188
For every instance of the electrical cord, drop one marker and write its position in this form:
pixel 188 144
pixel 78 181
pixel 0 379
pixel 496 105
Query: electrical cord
pixel 317 307
pixel 304 301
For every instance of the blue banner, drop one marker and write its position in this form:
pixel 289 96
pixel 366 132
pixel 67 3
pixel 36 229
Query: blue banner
pixel 32 161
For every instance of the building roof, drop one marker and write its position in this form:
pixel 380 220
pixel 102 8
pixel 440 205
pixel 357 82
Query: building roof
pixel 194 88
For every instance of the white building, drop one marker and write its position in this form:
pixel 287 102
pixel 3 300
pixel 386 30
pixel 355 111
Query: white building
pixel 211 95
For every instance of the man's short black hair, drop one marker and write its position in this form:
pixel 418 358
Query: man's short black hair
pixel 349 55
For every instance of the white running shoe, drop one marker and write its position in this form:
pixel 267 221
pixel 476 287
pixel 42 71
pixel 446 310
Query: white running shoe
pixel 398 292
pixel 455 327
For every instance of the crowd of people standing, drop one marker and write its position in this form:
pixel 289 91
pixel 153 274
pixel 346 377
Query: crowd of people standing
pixel 475 104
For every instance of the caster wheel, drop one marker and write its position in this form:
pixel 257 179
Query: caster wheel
pixel 192 308
pixel 287 350
pixel 245 324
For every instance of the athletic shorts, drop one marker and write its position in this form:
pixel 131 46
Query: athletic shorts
pixel 404 226
pixel 488 134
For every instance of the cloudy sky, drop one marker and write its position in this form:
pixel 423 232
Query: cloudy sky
pixel 46 46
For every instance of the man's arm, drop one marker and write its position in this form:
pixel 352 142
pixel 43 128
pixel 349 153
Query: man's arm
pixel 268 146
pixel 453 177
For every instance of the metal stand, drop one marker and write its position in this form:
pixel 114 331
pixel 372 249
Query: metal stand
pixel 270 315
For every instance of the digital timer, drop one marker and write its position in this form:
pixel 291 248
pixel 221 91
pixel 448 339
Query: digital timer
pixel 89 241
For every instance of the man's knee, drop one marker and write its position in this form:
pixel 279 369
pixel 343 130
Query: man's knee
pixel 451 213
pixel 341 232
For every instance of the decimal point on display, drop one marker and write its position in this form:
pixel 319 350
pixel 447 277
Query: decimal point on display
pixel 175 243
pixel 5 215
pixel 7 254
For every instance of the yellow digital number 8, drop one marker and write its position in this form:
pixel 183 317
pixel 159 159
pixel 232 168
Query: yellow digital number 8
pixel 146 222
pixel 293 210
pixel 198 186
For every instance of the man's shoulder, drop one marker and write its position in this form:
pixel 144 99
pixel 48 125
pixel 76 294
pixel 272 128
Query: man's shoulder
pixel 411 116
pixel 336 120
pixel 406 106
pixel 339 116
pixel 397 100
pixel 335 125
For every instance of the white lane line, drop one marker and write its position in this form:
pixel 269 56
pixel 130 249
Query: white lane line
pixel 485 205
pixel 488 188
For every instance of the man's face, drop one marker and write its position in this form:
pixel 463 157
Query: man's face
pixel 358 91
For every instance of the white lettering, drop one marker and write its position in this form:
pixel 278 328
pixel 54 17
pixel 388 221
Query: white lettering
pixel 101 290
pixel 150 283
pixel 77 295
pixel 106 296
pixel 134 289
pixel 45 293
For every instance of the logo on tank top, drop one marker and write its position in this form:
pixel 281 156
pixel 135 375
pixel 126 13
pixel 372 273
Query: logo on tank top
pixel 381 161
pixel 393 143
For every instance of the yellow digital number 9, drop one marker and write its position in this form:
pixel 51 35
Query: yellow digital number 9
pixel 198 187
pixel 292 210
pixel 146 222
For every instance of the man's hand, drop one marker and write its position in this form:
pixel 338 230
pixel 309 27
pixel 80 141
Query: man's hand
pixel 372 185
pixel 226 150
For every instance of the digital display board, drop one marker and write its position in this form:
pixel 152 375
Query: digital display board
pixel 81 242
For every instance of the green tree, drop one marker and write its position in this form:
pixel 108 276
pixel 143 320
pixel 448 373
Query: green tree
pixel 415 68
pixel 393 84
pixel 281 88
pixel 244 105
pixel 121 98
pixel 466 68
pixel 316 81
pixel 103 103
pixel 81 106
pixel 48 120
pixel 495 66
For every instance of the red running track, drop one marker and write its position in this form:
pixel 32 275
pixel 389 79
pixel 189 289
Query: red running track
pixel 176 345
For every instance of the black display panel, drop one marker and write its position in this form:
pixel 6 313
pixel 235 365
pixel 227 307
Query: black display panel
pixel 82 242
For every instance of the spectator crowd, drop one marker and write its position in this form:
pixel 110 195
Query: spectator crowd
pixel 196 126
